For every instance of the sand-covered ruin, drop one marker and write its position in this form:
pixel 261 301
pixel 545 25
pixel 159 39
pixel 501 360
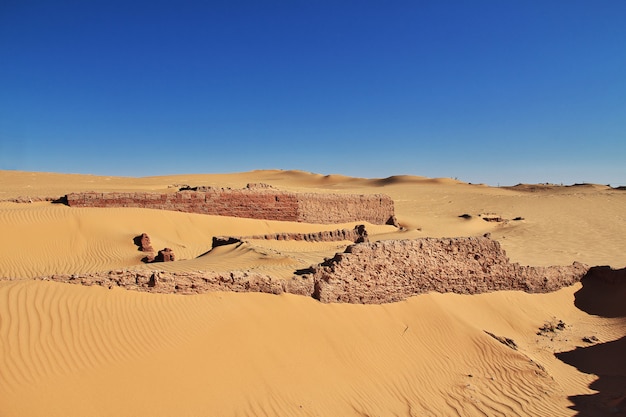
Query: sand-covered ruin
pixel 365 273
pixel 273 317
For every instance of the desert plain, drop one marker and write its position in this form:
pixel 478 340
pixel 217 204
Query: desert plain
pixel 76 350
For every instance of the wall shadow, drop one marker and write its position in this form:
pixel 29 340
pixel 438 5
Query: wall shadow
pixel 604 294
pixel 137 241
pixel 61 200
pixel 608 361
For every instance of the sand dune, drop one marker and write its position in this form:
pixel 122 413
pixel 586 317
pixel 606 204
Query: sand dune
pixel 272 257
pixel 68 350
pixel 258 354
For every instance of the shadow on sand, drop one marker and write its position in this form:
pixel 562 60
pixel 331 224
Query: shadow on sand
pixel 61 200
pixel 603 294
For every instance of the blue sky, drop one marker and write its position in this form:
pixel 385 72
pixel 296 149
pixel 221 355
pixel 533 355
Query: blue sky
pixel 497 91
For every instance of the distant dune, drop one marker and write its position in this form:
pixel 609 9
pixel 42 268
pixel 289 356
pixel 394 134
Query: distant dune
pixel 71 350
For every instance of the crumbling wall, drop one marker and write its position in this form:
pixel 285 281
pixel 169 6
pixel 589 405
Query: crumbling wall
pixel 188 282
pixel 367 273
pixel 388 271
pixel 253 202
pixel 357 235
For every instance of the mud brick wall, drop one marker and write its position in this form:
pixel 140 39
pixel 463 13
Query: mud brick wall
pixel 388 271
pixel 357 235
pixel 187 283
pixel 252 203
pixel 319 208
pixel 236 203
pixel 368 273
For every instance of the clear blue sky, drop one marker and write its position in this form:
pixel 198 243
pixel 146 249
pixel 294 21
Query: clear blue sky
pixel 501 91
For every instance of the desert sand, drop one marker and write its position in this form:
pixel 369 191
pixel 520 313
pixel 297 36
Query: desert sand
pixel 71 350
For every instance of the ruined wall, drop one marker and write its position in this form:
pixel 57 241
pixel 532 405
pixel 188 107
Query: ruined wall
pixel 255 203
pixel 163 282
pixel 316 208
pixel 367 273
pixel 357 235
pixel 389 271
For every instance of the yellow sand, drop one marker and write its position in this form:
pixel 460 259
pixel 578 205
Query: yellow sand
pixel 68 350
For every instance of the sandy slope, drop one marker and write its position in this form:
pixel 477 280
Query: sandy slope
pixel 74 351
pixel 44 238
pixel 90 351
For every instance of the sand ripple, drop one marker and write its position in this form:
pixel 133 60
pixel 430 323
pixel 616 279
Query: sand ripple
pixel 125 353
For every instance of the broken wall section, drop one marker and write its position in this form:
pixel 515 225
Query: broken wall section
pixel 387 271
